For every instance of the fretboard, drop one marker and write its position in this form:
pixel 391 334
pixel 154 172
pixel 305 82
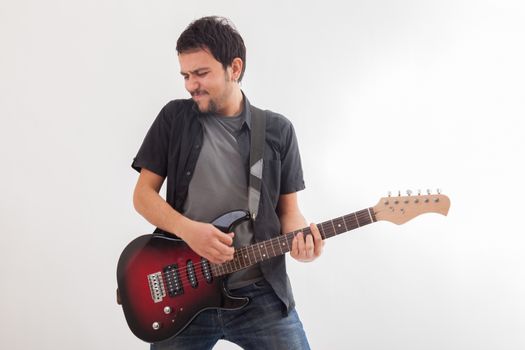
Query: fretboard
pixel 261 251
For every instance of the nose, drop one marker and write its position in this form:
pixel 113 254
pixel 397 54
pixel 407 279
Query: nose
pixel 192 84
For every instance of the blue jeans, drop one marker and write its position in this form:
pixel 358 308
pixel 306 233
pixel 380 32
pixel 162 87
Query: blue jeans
pixel 259 325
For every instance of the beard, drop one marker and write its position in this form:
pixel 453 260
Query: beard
pixel 216 102
pixel 211 108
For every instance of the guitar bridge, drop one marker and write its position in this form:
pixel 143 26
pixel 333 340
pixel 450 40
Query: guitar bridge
pixel 156 286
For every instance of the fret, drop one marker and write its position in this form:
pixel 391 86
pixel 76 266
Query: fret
pixel 357 220
pixel 283 243
pixel 339 225
pixel 306 231
pixel 221 269
pixel 260 254
pixel 242 262
pixel 326 231
pixel 333 226
pixel 248 256
pixel 238 259
pixel 365 218
pixel 289 239
pixel 320 227
pixel 370 214
pixel 350 222
pixel 344 222
pixel 265 256
pixel 254 256
pixel 273 248
pixel 251 255
pixel 235 261
pixel 245 258
pixel 227 267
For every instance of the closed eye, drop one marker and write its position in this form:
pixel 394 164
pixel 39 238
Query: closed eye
pixel 197 73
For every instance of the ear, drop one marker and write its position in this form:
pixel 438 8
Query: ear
pixel 236 66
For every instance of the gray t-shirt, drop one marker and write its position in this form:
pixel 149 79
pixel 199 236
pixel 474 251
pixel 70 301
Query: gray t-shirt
pixel 220 184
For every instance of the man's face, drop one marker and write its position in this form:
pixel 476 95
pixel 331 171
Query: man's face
pixel 206 80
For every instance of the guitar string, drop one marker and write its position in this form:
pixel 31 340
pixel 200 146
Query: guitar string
pixel 250 251
pixel 220 270
pixel 272 243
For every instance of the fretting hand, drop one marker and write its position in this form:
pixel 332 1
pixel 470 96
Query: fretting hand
pixel 306 248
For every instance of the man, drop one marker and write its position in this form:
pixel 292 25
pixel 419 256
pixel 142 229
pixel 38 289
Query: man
pixel 202 147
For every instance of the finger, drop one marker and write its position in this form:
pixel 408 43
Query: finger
pixel 294 250
pixel 318 240
pixel 226 251
pixel 309 246
pixel 215 256
pixel 300 245
pixel 315 232
pixel 225 238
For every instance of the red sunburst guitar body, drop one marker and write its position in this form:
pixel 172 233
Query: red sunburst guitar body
pixel 163 284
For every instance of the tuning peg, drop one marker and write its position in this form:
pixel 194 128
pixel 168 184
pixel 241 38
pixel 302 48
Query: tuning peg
pixel 399 193
pixel 389 195
pixel 438 191
pixel 409 192
pixel 419 192
pixel 428 192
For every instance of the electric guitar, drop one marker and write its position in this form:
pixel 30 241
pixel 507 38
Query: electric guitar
pixel 163 284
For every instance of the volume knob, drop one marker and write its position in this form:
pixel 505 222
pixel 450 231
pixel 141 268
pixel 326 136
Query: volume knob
pixel 167 310
pixel 155 326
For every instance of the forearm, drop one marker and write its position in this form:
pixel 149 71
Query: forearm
pixel 158 212
pixel 205 239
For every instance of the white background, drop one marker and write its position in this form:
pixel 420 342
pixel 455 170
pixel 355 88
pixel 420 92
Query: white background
pixel 384 95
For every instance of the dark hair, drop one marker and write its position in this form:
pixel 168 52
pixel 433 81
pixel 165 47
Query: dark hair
pixel 218 35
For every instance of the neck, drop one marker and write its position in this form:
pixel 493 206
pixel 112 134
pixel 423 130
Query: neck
pixel 235 103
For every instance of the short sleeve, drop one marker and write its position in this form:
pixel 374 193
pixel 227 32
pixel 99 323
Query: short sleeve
pixel 291 168
pixel 153 153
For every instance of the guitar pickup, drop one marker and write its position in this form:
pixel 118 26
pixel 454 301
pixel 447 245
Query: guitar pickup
pixel 173 280
pixel 206 270
pixel 190 270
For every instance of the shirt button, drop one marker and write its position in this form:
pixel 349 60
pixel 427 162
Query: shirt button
pixel 188 173
pixel 197 146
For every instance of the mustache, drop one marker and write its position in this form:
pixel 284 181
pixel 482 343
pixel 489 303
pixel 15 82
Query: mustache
pixel 198 92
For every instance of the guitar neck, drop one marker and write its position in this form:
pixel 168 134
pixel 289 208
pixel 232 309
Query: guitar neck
pixel 261 251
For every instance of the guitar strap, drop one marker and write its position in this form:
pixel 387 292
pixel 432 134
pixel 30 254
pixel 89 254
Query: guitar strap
pixel 257 140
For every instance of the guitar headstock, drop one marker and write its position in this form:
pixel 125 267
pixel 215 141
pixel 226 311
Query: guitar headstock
pixel 400 209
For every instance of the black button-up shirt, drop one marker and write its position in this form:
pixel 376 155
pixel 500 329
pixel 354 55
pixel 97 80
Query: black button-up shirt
pixel 171 149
